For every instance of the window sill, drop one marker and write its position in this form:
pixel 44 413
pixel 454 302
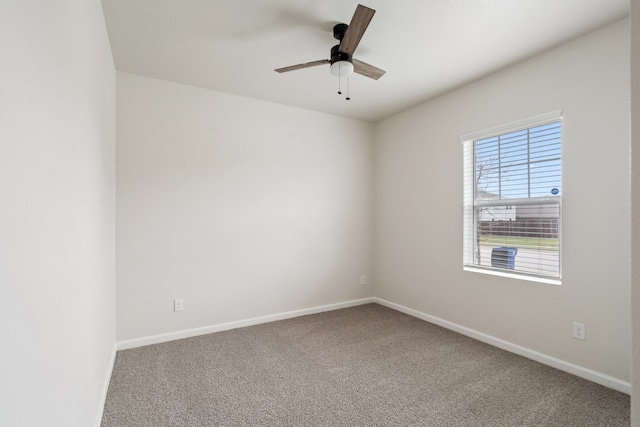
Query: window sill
pixel 500 273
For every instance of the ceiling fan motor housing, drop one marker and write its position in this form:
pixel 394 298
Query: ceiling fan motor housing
pixel 339 56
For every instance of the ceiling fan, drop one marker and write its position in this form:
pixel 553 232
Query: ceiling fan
pixel 342 63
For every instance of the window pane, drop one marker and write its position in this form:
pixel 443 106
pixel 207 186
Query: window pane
pixel 515 181
pixel 545 177
pixel 519 164
pixel 525 236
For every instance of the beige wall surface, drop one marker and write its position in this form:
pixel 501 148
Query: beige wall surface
pixel 57 234
pixel 242 208
pixel 418 205
pixel 635 208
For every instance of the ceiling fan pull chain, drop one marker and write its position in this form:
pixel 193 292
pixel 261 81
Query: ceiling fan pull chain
pixel 347 98
pixel 339 80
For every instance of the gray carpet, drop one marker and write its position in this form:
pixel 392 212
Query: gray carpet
pixel 362 366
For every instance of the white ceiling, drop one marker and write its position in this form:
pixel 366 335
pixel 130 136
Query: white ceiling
pixel 427 47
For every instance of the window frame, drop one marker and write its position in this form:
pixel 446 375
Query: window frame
pixel 470 204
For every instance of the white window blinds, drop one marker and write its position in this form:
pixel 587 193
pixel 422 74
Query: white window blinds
pixel 513 193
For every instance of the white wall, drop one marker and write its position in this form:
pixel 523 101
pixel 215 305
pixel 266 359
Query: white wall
pixel 635 209
pixel 418 194
pixel 242 207
pixel 57 166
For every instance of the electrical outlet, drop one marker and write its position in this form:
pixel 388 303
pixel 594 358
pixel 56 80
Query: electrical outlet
pixel 579 331
pixel 178 304
pixel 363 280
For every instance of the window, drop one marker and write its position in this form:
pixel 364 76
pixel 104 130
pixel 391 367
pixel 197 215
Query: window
pixel 513 199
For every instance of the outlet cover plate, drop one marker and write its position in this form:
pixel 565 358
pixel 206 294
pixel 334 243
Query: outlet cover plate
pixel 579 331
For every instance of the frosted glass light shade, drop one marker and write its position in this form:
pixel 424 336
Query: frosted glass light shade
pixel 341 68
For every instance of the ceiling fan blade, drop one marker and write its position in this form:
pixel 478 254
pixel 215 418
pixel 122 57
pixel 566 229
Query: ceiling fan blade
pixel 367 70
pixel 301 66
pixel 357 27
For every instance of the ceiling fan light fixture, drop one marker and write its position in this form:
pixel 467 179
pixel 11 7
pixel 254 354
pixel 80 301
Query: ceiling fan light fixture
pixel 341 69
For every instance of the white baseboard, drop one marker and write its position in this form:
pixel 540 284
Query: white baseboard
pixel 588 374
pixel 187 333
pixel 105 386
pixel 562 365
